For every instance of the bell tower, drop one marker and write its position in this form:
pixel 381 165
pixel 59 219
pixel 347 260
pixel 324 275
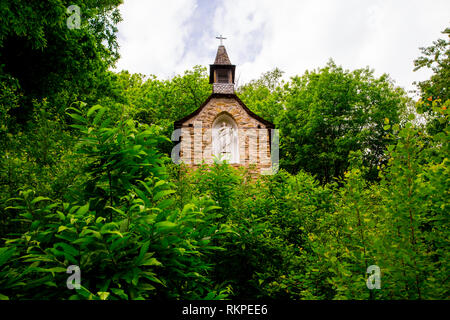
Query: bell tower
pixel 223 128
pixel 221 73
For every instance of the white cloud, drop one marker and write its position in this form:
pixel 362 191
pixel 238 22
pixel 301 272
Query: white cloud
pixel 153 34
pixel 293 35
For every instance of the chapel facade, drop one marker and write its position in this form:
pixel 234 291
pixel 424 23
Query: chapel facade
pixel 223 128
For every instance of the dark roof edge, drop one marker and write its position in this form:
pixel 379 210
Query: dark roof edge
pixel 178 123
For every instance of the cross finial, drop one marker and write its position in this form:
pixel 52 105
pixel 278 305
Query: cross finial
pixel 220 38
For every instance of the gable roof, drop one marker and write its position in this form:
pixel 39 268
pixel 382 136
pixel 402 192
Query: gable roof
pixel 179 123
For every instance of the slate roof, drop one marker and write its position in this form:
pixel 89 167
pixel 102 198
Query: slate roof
pixel 222 56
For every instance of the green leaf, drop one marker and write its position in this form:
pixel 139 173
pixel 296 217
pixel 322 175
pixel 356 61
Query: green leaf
pixel 142 195
pixel 107 227
pixel 188 207
pixel 98 116
pixel 113 232
pixel 51 270
pixel 162 193
pixel 86 293
pixel 151 276
pixel 142 252
pixel 212 208
pixel 150 262
pixel 67 248
pixel 165 225
pixel 5 254
pixel 38 199
pixel 61 215
pixel 103 295
pixel 160 183
pixel 145 186
pixel 120 293
pixel 62 228
pixel 82 210
pixel 146 287
pixel 100 220
pixel 78 118
pixel 120 212
pixel 95 233
pixel 165 203
pixel 56 269
pixel 93 109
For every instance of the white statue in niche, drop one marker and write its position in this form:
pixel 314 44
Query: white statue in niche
pixel 225 139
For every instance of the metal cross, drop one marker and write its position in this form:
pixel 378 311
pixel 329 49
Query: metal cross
pixel 220 38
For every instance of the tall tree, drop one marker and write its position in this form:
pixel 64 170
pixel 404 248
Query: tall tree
pixel 264 96
pixel 435 91
pixel 45 53
pixel 330 112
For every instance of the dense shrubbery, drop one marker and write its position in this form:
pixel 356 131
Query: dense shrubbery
pixel 90 184
pixel 120 225
pixel 140 227
pixel 298 239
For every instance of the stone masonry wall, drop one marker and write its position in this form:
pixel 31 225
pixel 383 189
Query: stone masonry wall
pixel 196 135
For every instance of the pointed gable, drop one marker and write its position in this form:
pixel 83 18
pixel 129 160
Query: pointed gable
pixel 222 56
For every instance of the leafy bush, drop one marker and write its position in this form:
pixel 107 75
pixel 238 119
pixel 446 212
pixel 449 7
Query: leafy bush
pixel 134 245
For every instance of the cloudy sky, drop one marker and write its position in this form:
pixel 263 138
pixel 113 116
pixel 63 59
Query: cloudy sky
pixel 166 37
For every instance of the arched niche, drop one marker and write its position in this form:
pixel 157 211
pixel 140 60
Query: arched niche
pixel 225 138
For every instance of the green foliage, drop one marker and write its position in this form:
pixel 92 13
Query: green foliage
pixel 265 95
pixel 331 112
pixel 436 58
pixel 326 114
pixel 39 157
pixel 158 102
pixel 435 91
pixel 413 204
pixel 85 179
pixel 45 59
pixel 134 245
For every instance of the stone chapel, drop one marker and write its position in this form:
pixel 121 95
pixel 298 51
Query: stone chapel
pixel 223 128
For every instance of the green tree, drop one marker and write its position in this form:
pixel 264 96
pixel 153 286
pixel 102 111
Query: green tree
pixel 265 95
pixel 50 60
pixel 329 113
pixel 434 92
pixel 414 188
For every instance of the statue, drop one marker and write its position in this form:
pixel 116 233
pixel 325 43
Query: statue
pixel 225 139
